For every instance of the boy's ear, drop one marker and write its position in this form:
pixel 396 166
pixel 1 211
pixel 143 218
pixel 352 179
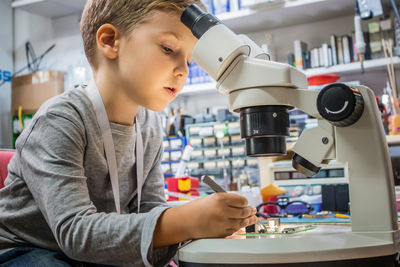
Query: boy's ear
pixel 108 40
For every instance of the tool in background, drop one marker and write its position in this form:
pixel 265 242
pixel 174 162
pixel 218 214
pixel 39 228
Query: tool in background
pixel 212 184
pixel 184 160
pixel 359 36
pixel 387 49
pixel 397 28
pixel 364 10
pixel 177 123
pixel 20 117
pixel 370 8
pixel 33 62
pixel 220 135
pixel 218 189
pixel 170 126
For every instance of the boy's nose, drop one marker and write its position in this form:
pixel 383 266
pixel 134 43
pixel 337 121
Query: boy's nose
pixel 182 69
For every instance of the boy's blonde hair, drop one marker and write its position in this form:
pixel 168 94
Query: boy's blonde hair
pixel 124 15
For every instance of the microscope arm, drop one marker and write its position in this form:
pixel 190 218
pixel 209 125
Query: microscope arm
pixel 255 50
pixel 246 72
pixel 317 145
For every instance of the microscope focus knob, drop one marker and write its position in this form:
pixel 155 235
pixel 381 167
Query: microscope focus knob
pixel 340 104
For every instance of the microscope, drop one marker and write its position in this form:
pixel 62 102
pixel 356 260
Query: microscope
pixel 349 130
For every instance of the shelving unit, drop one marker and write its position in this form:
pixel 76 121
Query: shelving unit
pixel 172 148
pixel 261 18
pixel 289 13
pixel 369 65
pixel 50 8
pixel 217 147
pixel 209 157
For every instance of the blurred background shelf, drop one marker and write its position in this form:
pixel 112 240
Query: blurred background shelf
pixel 355 67
pixel 50 8
pixel 369 65
pixel 286 14
pixel 249 19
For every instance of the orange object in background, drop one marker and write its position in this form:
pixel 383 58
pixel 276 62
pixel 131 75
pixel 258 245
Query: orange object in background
pixel 394 124
pixel 271 193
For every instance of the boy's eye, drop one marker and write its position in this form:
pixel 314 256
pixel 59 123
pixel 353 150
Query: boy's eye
pixel 167 49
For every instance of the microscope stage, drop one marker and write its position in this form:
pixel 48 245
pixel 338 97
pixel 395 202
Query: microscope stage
pixel 323 243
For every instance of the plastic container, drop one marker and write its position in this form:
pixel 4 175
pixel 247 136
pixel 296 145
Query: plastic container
pixel 322 79
pixel 183 184
pixel 314 200
pixel 256 195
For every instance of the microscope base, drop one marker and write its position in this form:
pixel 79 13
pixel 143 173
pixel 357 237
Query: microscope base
pixel 324 246
pixel 384 261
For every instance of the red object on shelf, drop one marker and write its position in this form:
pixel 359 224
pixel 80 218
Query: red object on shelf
pixel 322 79
pixel 183 185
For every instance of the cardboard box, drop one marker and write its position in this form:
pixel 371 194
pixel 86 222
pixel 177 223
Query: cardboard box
pixel 32 90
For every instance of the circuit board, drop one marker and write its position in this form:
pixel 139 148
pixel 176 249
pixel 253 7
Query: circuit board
pixel 283 229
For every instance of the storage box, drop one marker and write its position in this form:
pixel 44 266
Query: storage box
pixel 32 90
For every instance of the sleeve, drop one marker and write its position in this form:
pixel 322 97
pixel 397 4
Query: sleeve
pixel 52 166
pixel 153 196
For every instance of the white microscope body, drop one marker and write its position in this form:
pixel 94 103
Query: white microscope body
pixel 349 130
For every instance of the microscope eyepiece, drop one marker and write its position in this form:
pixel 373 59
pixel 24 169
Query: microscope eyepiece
pixel 197 20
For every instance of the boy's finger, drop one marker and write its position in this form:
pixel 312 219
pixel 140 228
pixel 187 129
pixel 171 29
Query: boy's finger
pixel 240 213
pixel 253 220
pixel 240 223
pixel 237 201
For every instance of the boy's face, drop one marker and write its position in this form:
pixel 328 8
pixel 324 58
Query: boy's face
pixel 153 60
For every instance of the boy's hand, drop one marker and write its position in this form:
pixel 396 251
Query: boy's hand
pixel 218 215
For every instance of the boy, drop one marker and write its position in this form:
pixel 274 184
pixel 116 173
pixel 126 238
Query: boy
pixel 58 205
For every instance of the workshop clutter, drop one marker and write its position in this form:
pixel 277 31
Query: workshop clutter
pixel 173 151
pixel 182 186
pixel 342 49
pixel 394 124
pixel 270 193
pixel 29 92
pixel 252 194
